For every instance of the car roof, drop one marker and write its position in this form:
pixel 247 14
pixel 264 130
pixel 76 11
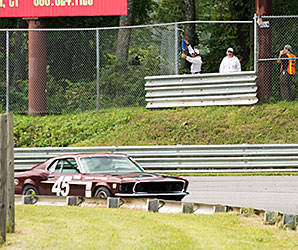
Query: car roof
pixel 77 155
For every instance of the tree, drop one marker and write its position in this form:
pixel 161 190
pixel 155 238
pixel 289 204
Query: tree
pixel 124 34
pixel 167 11
pixel 243 10
pixel 280 7
pixel 189 29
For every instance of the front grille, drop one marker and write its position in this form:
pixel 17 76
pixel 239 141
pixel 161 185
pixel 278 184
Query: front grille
pixel 159 187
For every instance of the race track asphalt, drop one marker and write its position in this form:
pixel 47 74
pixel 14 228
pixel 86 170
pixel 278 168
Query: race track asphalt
pixel 273 193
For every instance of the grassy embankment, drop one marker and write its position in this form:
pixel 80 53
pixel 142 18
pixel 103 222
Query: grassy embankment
pixel 50 227
pixel 259 124
pixel 42 227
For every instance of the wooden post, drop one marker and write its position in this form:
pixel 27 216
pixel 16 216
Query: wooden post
pixel 10 176
pixel 3 176
pixel 264 8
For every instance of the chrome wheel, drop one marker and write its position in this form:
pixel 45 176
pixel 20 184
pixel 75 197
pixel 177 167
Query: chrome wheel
pixel 103 193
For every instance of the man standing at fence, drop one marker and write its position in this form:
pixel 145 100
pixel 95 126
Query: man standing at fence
pixel 195 59
pixel 287 71
pixel 230 63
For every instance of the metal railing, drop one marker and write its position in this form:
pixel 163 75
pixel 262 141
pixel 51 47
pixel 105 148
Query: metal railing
pixel 201 90
pixel 160 206
pixel 184 158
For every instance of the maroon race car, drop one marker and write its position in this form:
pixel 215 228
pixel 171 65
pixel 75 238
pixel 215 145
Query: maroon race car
pixel 97 175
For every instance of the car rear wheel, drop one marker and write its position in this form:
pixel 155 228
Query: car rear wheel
pixel 30 190
pixel 102 192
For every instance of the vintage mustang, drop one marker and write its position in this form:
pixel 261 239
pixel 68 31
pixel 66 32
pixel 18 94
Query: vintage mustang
pixel 97 175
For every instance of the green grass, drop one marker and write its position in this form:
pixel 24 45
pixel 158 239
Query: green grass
pixel 259 124
pixel 46 227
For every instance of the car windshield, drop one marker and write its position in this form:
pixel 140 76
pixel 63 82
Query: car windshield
pixel 98 164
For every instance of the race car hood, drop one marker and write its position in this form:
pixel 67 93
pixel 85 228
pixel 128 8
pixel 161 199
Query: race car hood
pixel 130 176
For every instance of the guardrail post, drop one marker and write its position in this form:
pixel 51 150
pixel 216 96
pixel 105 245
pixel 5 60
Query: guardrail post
pixel 27 200
pixel 3 176
pixel 72 201
pixel 153 205
pixel 220 209
pixel 272 217
pixel 290 221
pixel 113 202
pixel 187 208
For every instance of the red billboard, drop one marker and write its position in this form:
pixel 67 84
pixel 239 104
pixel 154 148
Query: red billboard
pixel 52 8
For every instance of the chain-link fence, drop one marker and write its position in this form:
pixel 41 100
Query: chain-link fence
pixel 92 69
pixel 3 70
pixel 83 70
pixel 276 76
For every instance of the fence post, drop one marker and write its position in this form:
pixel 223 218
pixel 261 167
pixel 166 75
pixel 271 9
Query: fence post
pixel 176 50
pixel 97 72
pixel 10 175
pixel 255 43
pixel 3 176
pixel 7 71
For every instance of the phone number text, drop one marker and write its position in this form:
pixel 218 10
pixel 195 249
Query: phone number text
pixel 49 3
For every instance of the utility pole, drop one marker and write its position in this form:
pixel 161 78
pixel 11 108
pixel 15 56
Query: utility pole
pixel 264 8
pixel 37 67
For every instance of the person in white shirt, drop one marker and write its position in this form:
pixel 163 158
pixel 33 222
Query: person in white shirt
pixel 230 63
pixel 195 59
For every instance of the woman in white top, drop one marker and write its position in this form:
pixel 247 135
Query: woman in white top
pixel 230 63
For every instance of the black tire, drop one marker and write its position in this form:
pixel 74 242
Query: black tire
pixel 103 193
pixel 30 190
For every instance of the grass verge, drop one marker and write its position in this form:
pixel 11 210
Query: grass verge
pixel 50 227
pixel 259 124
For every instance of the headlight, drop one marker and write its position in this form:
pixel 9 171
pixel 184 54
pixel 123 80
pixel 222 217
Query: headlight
pixel 122 188
pixel 114 185
pixel 126 187
pixel 179 186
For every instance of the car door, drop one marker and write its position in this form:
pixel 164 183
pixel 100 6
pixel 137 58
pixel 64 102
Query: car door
pixel 64 179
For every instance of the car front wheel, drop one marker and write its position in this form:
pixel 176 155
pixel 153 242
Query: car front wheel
pixel 102 192
pixel 30 190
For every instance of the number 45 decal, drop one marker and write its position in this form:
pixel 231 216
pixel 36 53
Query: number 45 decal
pixel 61 186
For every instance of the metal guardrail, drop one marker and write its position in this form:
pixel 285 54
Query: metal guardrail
pixel 280 219
pixel 147 204
pixel 238 88
pixel 184 158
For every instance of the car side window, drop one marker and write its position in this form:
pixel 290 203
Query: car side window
pixel 70 166
pixel 55 167
pixel 58 166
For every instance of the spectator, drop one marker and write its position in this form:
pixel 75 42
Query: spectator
pixel 230 63
pixel 195 59
pixel 287 71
